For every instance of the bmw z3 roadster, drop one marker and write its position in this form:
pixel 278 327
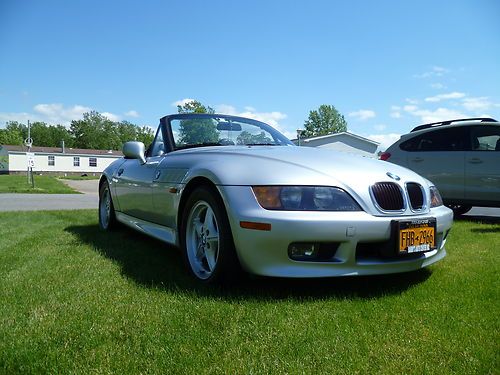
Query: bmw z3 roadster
pixel 235 194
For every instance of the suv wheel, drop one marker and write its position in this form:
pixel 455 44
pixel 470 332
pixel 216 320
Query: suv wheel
pixel 459 210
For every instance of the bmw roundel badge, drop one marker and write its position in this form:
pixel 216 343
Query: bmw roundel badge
pixel 393 176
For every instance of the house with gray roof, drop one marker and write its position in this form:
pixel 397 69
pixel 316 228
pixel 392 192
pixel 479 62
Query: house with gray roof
pixel 55 160
pixel 344 142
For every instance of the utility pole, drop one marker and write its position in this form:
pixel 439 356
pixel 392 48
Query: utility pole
pixel 299 134
pixel 28 142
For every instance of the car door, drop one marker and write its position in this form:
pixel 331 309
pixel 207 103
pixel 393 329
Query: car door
pixel 482 164
pixel 134 180
pixel 439 156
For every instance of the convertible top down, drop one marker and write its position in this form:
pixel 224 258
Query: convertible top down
pixel 234 193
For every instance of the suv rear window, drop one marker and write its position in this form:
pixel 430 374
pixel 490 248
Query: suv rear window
pixel 485 138
pixel 451 139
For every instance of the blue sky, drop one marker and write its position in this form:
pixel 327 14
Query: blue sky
pixel 385 65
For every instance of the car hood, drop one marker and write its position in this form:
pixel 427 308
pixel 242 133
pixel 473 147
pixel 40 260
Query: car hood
pixel 279 165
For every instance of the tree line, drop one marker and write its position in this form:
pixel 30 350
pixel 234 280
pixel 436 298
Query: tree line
pixel 94 131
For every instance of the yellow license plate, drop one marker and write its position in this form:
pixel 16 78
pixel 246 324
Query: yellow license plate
pixel 417 236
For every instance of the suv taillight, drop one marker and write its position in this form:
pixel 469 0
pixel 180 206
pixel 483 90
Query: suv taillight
pixel 384 156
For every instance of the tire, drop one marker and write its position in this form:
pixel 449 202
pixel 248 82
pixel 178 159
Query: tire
pixel 459 210
pixel 206 239
pixel 107 217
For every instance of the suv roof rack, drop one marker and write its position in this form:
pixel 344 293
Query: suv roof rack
pixel 449 122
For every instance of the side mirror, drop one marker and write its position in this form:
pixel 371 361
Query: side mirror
pixel 134 150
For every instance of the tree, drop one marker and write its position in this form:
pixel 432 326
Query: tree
pixel 325 120
pixel 194 106
pixel 95 131
pixel 13 134
pixel 145 135
pixel 58 133
pixel 246 138
pixel 197 131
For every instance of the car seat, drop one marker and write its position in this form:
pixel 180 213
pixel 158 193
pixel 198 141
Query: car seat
pixel 476 144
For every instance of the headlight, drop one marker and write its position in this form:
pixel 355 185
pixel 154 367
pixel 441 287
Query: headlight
pixel 436 199
pixel 304 198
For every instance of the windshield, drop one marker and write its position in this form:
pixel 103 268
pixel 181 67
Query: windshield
pixel 216 130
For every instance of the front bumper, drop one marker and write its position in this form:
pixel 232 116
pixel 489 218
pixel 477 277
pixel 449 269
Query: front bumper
pixel 266 252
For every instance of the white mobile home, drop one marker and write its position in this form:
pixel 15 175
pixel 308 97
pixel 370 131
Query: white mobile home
pixel 55 160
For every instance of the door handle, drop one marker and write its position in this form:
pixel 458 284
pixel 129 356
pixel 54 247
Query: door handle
pixel 417 160
pixel 120 171
pixel 475 161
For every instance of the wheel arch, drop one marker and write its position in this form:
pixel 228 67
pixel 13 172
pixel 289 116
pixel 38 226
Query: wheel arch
pixel 186 192
pixel 102 179
pixel 232 263
pixel 107 179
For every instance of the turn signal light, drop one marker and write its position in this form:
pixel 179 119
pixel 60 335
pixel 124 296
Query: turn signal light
pixel 255 225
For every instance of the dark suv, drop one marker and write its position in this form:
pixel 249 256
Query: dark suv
pixel 461 157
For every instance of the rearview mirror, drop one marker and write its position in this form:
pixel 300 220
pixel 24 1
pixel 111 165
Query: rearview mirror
pixel 134 150
pixel 224 125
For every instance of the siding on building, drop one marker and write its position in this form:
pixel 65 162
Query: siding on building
pixel 13 159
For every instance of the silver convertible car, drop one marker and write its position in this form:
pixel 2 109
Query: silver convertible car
pixel 234 194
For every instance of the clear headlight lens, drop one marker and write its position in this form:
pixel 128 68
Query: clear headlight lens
pixel 436 199
pixel 304 198
pixel 291 197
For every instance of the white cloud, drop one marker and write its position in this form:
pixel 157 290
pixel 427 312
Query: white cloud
pixel 183 102
pixel 385 140
pixel 22 117
pixel 440 114
pixel 57 113
pixel 437 86
pixel 477 104
pixel 410 108
pixel 395 111
pixel 362 114
pixel 111 116
pixel 380 127
pixel 132 113
pixel 54 113
pixel 451 95
pixel 271 118
pixel 226 109
pixel 411 101
pixel 436 71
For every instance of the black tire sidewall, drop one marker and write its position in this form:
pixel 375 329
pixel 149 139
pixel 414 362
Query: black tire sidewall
pixel 226 260
pixel 112 218
pixel 459 210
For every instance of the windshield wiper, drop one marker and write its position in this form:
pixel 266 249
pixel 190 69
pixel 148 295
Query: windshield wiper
pixel 197 145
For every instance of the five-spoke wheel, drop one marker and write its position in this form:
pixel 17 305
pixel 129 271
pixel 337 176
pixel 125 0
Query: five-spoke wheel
pixel 206 237
pixel 202 240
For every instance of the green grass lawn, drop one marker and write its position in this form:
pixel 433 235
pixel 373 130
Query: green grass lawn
pixel 77 300
pixel 43 185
